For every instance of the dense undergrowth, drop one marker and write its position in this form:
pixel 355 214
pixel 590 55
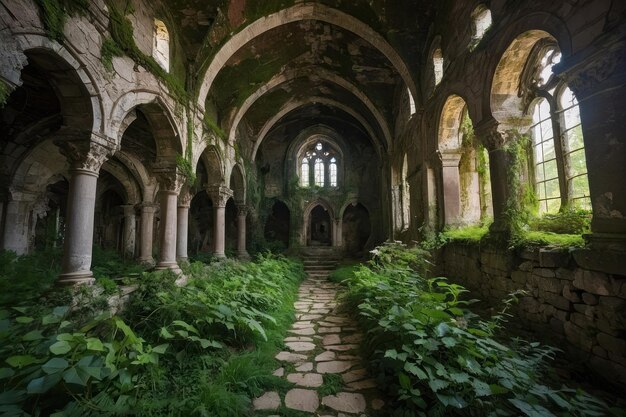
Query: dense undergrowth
pixel 204 349
pixel 436 358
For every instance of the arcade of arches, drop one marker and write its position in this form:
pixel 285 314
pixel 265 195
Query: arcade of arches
pixel 228 128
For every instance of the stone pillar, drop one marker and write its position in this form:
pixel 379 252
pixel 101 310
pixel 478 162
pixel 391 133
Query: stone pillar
pixel 182 229
pixel 597 76
pixel 86 154
pixel 451 187
pixel 170 183
pixel 129 230
pixel 337 233
pixel 219 196
pixel 242 213
pixel 146 233
pixel 495 140
pixel 17 219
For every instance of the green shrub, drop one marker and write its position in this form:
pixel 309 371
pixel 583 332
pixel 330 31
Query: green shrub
pixel 342 273
pixel 569 221
pixel 437 358
pixel 25 278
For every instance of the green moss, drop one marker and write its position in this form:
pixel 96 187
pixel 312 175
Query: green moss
pixel 108 51
pixel 568 221
pixel 469 234
pixel 534 238
pixel 55 12
pixel 184 166
pixel 122 35
pixel 213 126
pixel 5 92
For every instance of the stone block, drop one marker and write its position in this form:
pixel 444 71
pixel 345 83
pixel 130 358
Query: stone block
pixel 557 325
pixel 570 294
pixel 577 336
pixel 558 301
pixel 544 272
pixel 553 258
pixel 564 274
pixel 612 344
pixel 580 319
pixel 530 254
pixel 526 266
pixel 611 262
pixel 610 370
pixel 548 284
pixel 599 351
pixel 593 282
pixel 590 299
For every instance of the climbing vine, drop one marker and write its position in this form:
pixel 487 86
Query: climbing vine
pixel 5 92
pixel 55 12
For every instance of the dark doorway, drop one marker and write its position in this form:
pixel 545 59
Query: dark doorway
pixel 319 227
pixel 356 229
pixel 230 243
pixel 200 238
pixel 277 226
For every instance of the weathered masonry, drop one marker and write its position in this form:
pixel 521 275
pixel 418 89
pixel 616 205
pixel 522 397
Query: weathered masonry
pixel 165 129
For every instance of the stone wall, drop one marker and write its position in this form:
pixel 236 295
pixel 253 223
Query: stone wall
pixel 576 299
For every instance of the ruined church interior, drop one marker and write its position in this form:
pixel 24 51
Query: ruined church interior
pixel 248 207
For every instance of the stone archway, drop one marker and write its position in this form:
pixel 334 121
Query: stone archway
pixel 320 229
pixel 277 225
pixel 356 229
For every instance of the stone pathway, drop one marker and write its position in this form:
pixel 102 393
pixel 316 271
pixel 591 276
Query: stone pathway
pixel 322 352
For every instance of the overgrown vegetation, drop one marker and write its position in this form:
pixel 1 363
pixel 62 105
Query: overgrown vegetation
pixel 55 13
pixel 435 357
pixel 5 92
pixel 203 349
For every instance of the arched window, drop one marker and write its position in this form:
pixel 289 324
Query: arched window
pixel 412 108
pixel 319 165
pixel 560 164
pixel 332 168
pixel 319 172
pixel 161 45
pixel 438 65
pixel 481 20
pixel 304 173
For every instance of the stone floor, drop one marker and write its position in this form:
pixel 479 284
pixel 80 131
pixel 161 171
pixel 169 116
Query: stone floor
pixel 322 342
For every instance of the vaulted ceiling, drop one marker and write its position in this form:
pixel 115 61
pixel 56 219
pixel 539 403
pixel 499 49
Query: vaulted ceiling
pixel 254 60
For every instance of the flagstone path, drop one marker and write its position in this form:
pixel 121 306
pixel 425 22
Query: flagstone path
pixel 322 342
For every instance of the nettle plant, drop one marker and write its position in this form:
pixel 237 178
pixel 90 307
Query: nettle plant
pixel 437 358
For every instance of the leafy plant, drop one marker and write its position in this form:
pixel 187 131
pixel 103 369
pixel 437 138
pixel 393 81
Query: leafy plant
pixel 568 221
pixel 437 358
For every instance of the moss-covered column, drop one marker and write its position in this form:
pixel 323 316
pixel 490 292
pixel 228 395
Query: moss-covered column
pixel 182 229
pixel 598 79
pixel 495 141
pixel 170 183
pixel 242 213
pixel 86 154
pixel 146 233
pixel 451 180
pixel 219 196
pixel 129 230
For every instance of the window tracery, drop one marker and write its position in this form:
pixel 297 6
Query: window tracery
pixel 325 163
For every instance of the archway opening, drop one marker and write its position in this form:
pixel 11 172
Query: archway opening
pixel 231 228
pixel 201 218
pixel 50 226
pixel 320 229
pixel 356 230
pixel 277 226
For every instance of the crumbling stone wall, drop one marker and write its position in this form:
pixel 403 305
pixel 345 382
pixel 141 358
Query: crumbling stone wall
pixel 568 298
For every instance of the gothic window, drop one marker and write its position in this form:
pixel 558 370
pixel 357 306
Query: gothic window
pixel 304 173
pixel 559 154
pixel 161 45
pixel 438 65
pixel 481 20
pixel 333 172
pixel 319 172
pixel 318 165
pixel 411 103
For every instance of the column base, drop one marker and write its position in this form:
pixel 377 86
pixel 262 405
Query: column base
pixel 244 256
pixel 219 255
pixel 147 262
pixel 173 266
pixel 76 278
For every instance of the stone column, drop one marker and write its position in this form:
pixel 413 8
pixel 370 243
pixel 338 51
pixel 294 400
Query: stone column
pixel 86 154
pixel 219 196
pixel 182 229
pixel 495 140
pixel 146 233
pixel 242 213
pixel 451 187
pixel 337 233
pixel 17 234
pixel 598 79
pixel 129 230
pixel 170 183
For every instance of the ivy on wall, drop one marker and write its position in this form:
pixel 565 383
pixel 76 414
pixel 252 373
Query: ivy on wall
pixel 55 13
pixel 5 92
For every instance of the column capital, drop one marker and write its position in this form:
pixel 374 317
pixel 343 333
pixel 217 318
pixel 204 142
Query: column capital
pixel 84 150
pixel 128 209
pixel 147 206
pixel 242 209
pixel 219 194
pixel 450 159
pixel 184 197
pixel 490 134
pixel 169 177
